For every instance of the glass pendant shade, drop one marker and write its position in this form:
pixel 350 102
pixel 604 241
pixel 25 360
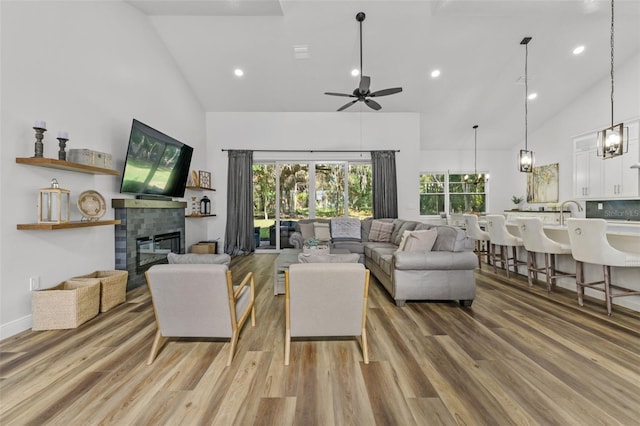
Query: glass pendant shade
pixel 526 161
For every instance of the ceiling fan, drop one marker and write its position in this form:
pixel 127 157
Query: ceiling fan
pixel 362 92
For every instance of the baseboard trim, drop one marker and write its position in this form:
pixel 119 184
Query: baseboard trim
pixel 14 327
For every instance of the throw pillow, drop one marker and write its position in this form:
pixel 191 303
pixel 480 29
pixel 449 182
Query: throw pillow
pixel 403 241
pixel 345 228
pixel 321 231
pixel 381 231
pixel 421 240
pixel 306 229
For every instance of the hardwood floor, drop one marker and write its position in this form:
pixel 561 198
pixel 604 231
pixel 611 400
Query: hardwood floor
pixel 517 356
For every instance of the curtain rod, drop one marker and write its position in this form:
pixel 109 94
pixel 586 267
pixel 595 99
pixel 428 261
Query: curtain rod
pixel 311 150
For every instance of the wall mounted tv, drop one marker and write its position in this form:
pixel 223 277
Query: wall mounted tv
pixel 157 165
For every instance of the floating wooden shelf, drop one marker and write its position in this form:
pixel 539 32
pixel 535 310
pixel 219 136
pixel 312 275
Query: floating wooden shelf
pixel 199 188
pixel 52 163
pixel 199 215
pixel 66 225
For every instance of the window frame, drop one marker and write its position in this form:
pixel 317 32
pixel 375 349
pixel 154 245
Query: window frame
pixel 448 193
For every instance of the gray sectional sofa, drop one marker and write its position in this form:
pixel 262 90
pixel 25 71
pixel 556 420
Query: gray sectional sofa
pixel 444 273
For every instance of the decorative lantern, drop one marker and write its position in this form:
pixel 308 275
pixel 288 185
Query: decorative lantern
pixel 205 205
pixel 53 204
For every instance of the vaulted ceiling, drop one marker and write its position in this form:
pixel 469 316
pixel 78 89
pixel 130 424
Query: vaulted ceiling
pixel 474 43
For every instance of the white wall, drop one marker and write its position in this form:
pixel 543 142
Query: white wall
pixel 308 131
pixel 553 141
pixel 88 68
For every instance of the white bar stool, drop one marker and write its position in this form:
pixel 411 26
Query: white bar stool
pixel 481 237
pixel 535 241
pixel 501 237
pixel 589 244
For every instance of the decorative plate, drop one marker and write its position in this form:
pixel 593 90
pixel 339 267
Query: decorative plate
pixel 91 205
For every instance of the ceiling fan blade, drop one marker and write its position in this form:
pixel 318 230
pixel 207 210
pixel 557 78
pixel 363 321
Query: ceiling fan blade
pixel 385 92
pixel 372 104
pixel 340 94
pixel 365 82
pixel 347 105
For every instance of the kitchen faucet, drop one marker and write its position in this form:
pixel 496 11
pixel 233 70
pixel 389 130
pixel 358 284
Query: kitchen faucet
pixel 562 209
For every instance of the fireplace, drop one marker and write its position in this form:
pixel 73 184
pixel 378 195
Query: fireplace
pixel 154 249
pixel 149 229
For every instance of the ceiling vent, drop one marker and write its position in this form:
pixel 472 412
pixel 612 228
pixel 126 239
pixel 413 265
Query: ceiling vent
pixel 301 51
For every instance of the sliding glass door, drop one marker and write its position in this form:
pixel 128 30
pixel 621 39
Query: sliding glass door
pixel 285 192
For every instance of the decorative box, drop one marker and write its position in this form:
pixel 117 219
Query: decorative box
pixel 89 157
pixel 321 248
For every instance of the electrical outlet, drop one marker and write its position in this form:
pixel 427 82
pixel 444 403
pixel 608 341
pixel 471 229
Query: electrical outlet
pixel 34 283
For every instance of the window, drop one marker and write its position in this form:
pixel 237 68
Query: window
pixel 451 193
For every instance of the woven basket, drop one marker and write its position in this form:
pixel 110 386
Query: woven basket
pixel 66 305
pixel 113 287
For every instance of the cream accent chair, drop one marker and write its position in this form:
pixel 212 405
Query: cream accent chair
pixel 481 237
pixel 589 244
pixel 199 300
pixel 536 241
pixel 326 299
pixel 501 237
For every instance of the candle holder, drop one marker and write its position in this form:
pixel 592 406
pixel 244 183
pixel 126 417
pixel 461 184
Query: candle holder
pixel 62 155
pixel 39 147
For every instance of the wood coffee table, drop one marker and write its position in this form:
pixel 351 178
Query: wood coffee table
pixel 286 258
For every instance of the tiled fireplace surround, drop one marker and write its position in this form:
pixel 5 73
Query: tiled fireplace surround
pixel 142 219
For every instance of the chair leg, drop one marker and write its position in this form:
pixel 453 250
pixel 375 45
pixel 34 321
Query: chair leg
pixel 479 253
pixel 365 348
pixel 504 250
pixel 493 258
pixel 607 288
pixel 549 269
pixel 580 282
pixel 531 266
pixel 157 341
pixel 488 253
pixel 234 344
pixel 287 346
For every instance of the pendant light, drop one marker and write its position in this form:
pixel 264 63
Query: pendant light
pixel 526 156
pixel 611 140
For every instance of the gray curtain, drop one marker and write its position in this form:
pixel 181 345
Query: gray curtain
pixel 239 232
pixel 385 185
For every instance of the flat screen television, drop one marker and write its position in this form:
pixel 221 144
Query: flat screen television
pixel 156 165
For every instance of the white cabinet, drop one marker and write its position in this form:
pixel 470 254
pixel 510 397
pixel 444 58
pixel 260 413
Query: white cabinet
pixel 594 177
pixel 620 180
pixel 587 168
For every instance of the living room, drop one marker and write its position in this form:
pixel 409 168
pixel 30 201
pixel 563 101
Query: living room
pixel 65 63
pixel 89 67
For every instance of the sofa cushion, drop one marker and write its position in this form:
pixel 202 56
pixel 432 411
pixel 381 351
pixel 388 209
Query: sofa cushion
pixel 381 231
pixel 343 228
pixel 328 258
pixel 403 241
pixel 399 226
pixel 306 229
pixel 321 231
pixel 421 240
pixel 197 258
pixel 450 239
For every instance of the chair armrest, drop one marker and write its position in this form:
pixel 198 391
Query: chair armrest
pixel 295 239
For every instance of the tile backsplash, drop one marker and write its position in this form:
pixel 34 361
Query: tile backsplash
pixel 614 209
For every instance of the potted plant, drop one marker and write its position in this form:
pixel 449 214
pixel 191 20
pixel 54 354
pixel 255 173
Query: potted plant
pixel 517 200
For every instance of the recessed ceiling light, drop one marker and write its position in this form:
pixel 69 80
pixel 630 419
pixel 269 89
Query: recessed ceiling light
pixel 435 73
pixel 238 72
pixel 355 72
pixel 532 96
pixel 578 50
